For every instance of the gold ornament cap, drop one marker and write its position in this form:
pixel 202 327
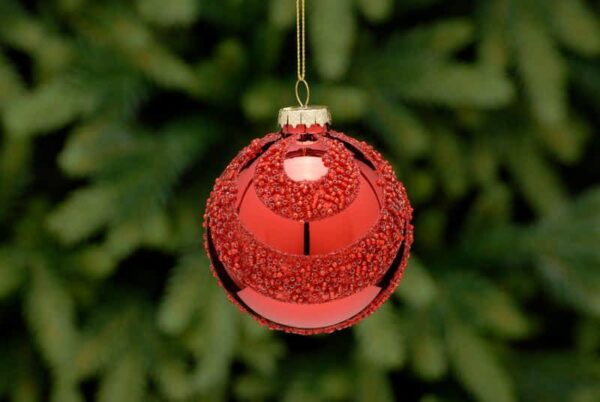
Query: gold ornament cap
pixel 307 115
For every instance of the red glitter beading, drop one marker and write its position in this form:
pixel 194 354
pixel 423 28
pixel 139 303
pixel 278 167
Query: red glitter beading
pixel 377 257
pixel 307 200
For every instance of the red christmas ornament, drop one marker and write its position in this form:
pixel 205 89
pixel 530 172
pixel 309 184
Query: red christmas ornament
pixel 308 230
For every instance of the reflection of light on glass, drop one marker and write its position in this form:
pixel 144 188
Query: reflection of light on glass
pixel 316 315
pixel 308 168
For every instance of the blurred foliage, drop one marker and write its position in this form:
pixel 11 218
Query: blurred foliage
pixel 118 115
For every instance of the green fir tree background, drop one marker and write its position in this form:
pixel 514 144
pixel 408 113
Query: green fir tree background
pixel 116 117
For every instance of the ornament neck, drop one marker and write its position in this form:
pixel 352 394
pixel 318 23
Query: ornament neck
pixel 310 119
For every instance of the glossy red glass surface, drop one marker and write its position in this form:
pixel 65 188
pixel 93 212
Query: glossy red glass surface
pixel 335 264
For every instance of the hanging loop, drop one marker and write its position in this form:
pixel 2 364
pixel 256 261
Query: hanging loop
pixel 307 97
pixel 301 53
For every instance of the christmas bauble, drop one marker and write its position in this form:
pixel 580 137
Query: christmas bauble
pixel 308 230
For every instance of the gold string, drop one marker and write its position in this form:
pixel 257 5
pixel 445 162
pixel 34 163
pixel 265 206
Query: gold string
pixel 301 52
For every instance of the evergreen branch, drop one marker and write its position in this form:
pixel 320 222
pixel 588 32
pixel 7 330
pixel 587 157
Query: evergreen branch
pixel 188 286
pixel 51 317
pixel 106 338
pixel 125 381
pixel 476 366
pixel 389 350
